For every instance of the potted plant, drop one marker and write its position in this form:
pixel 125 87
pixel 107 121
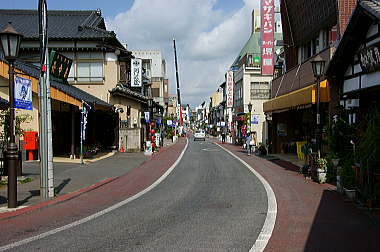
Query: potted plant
pixel 321 169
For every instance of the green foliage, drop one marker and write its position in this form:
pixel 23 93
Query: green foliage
pixel 347 175
pixel 369 146
pixel 4 122
pixel 321 163
pixel 339 135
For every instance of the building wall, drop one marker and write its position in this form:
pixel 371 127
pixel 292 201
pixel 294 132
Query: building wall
pixel 345 8
pixel 157 66
pixel 257 104
pixel 130 135
pixel 110 72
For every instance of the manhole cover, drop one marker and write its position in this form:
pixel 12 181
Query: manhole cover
pixel 219 205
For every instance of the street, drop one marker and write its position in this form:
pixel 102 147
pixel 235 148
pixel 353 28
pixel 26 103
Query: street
pixel 210 201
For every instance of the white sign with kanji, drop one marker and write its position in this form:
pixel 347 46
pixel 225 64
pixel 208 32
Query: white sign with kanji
pixel 230 89
pixel 136 72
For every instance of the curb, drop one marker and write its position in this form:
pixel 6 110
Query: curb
pixel 56 200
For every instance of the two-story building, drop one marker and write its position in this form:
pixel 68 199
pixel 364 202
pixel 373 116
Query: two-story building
pixel 100 63
pixel 309 30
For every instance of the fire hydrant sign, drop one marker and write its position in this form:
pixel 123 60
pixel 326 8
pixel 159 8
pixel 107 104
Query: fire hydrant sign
pixel 23 93
pixel 267 37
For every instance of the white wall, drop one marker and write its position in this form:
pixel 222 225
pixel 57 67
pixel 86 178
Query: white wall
pixel 157 66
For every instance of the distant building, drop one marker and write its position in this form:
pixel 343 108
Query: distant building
pixel 155 70
pixel 250 86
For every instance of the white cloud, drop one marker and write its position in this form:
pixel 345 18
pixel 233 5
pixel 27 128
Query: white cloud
pixel 207 39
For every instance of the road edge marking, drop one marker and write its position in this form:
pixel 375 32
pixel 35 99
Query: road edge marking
pixel 270 220
pixel 100 213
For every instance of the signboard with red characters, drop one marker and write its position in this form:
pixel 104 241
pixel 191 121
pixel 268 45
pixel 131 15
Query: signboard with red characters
pixel 267 37
pixel 230 89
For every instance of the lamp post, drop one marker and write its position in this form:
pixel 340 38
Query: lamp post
pixel 10 42
pixel 249 119
pixel 318 66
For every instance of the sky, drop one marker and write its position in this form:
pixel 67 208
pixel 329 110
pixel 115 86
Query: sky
pixel 209 34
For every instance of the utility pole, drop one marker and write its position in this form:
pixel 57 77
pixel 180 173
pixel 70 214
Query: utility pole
pixel 45 124
pixel 177 79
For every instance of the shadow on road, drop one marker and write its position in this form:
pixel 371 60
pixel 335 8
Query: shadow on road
pixel 59 188
pixel 33 193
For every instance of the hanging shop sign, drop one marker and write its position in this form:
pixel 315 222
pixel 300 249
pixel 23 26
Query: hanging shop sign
pixel 147 116
pixel 23 93
pixel 369 58
pixel 230 89
pixel 267 35
pixel 60 65
pixel 255 119
pixel 85 109
pixel 136 71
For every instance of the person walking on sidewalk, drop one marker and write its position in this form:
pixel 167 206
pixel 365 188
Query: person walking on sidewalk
pixel 248 141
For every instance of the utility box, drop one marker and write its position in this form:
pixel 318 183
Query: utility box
pixel 31 143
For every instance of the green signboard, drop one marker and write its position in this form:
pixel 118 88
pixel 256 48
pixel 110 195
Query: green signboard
pixel 257 60
pixel 60 65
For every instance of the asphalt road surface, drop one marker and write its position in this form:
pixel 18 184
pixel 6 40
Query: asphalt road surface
pixel 210 202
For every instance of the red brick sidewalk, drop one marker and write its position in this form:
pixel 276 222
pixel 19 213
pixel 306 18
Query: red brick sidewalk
pixel 311 216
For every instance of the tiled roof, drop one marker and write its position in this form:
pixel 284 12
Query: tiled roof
pixel 62 24
pixel 75 92
pixel 372 6
pixel 121 89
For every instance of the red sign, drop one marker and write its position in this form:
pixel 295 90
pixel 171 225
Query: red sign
pixel 267 37
pixel 230 89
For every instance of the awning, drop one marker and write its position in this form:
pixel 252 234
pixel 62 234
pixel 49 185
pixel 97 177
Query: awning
pixel 300 97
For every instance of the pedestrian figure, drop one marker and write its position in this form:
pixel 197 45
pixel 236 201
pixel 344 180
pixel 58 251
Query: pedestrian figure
pixel 248 141
pixel 223 136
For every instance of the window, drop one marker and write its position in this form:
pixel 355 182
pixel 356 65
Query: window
pixel 155 92
pixel 260 90
pixel 89 67
pixel 90 71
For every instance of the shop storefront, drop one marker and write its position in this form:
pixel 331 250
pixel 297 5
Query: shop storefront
pixel 293 118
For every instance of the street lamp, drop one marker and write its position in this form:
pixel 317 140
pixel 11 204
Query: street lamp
pixel 318 66
pixel 249 119
pixel 10 43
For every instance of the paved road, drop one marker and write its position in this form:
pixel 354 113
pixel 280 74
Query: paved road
pixel 210 202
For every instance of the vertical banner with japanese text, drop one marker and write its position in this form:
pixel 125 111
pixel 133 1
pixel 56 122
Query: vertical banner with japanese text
pixel 230 89
pixel 136 72
pixel 267 37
